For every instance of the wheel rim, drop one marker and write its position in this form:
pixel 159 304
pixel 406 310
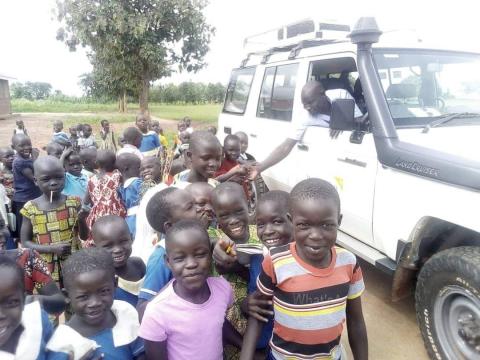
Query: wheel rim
pixel 457 322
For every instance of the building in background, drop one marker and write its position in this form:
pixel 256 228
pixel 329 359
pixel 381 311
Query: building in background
pixel 5 105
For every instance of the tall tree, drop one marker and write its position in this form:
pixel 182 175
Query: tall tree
pixel 139 41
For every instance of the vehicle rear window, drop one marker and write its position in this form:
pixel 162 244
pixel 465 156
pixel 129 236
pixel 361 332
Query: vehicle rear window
pixel 238 90
pixel 278 90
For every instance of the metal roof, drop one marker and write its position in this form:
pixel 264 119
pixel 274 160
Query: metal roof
pixel 6 77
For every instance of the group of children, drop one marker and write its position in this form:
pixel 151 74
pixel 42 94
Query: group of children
pixel 144 269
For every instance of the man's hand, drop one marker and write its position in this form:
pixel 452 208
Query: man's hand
pixel 259 307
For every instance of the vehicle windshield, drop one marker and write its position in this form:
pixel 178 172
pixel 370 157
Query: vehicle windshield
pixel 425 85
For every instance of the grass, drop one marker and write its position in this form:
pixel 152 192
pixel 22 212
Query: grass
pixel 203 113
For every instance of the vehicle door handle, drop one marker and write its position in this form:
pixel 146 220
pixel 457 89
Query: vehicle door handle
pixel 302 147
pixel 353 161
pixel 253 135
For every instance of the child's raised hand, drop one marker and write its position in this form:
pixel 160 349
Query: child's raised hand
pixel 259 307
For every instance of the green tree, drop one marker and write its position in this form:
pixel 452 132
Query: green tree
pixel 31 90
pixel 136 42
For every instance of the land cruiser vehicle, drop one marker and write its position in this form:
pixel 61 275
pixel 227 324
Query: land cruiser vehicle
pixel 407 172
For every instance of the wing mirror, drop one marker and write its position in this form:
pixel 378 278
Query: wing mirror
pixel 342 115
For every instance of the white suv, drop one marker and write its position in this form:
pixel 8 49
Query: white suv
pixel 407 172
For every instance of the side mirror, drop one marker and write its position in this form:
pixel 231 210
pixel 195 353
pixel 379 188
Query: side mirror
pixel 341 117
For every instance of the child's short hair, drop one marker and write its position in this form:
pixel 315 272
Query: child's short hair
pixel 159 208
pixel 130 134
pixel 106 160
pixel 198 138
pixel 7 262
pixel 316 189
pixel 230 138
pixel 228 188
pixel 278 196
pixel 103 122
pixel 88 152
pixel 87 260
pixel 186 224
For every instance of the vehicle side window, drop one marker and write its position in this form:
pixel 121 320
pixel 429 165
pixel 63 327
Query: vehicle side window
pixel 278 90
pixel 238 90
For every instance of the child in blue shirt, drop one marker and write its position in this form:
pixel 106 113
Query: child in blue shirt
pixel 59 135
pixel 129 166
pixel 75 181
pixel 274 228
pixel 100 325
pixel 25 329
pixel 111 233
pixel 150 145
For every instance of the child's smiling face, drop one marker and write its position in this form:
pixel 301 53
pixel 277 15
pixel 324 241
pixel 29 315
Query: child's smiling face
pixel 231 210
pixel 91 296
pixel 315 225
pixel 274 227
pixel 115 238
pixel 206 159
pixel 189 257
pixel 11 305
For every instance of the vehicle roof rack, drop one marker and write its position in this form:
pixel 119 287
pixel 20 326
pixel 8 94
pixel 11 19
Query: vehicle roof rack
pixel 305 44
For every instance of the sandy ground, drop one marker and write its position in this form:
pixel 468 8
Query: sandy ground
pixel 392 329
pixel 40 126
pixel 393 333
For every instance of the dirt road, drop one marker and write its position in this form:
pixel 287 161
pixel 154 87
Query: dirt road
pixel 393 333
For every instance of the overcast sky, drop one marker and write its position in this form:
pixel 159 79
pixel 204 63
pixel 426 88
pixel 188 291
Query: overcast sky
pixel 30 52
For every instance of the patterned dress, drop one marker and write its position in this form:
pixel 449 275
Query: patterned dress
pixel 103 191
pixel 54 226
pixel 35 269
pixel 240 292
pixel 109 142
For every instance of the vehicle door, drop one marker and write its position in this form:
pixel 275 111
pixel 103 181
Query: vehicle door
pixel 273 117
pixel 348 161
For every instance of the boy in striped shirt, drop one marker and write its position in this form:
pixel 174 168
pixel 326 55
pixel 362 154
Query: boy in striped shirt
pixel 315 286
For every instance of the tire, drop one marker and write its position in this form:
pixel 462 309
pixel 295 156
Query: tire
pixel 447 300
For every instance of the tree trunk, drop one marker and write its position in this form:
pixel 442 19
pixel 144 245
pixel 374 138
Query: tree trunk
pixel 122 102
pixel 143 97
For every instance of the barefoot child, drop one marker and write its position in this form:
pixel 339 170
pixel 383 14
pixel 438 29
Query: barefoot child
pixel 102 190
pixel 100 327
pixel 186 320
pixel 51 223
pixel 25 329
pixel 150 145
pixel 205 154
pixel 129 167
pixel 312 266
pixel 163 210
pixel 111 233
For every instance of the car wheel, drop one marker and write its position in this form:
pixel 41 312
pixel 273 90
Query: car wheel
pixel 447 301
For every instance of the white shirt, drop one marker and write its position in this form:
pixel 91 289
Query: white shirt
pixel 300 123
pixel 144 235
pixel 130 149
